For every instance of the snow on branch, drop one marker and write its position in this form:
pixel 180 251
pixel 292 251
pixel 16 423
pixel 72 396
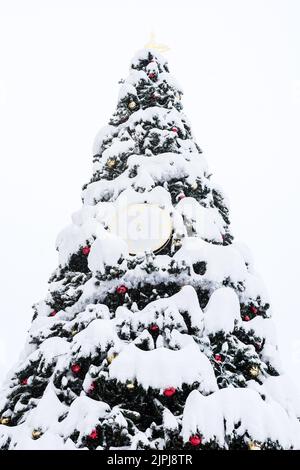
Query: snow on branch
pixel 234 411
pixel 162 368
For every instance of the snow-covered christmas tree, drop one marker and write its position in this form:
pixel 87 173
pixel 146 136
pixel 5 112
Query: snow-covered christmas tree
pixel 156 330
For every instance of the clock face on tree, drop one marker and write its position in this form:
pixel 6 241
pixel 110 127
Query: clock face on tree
pixel 145 227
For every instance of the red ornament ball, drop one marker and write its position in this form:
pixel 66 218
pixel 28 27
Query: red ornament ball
pixel 92 387
pixel 93 434
pixel 174 129
pixel 122 290
pixel 24 381
pixel 169 392
pixel 218 357
pixel 53 313
pixel 152 75
pixel 75 368
pixel 253 309
pixel 86 250
pixel 247 318
pixel 195 440
pixel 154 327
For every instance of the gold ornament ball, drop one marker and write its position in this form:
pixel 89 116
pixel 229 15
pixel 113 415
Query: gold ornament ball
pixel 36 434
pixel 254 445
pixel 130 386
pixel 194 185
pixel 111 162
pixel 132 105
pixel 254 371
pixel 5 421
pixel 111 358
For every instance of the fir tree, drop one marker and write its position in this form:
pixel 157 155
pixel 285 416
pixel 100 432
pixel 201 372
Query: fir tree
pixel 165 348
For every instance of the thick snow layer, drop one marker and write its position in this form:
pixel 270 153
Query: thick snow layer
pixel 107 250
pixel 84 415
pixel 21 439
pixel 84 215
pixel 167 312
pixel 41 327
pixel 53 351
pixel 283 390
pixel 203 222
pixel 104 134
pixel 150 170
pixel 73 237
pixel 104 188
pixel 178 340
pixel 185 301
pixel 91 312
pixel 128 87
pixel 240 410
pixel 221 312
pixel 264 328
pixel 222 261
pixel 254 287
pixel 169 421
pixel 138 439
pixel 47 412
pixel 47 441
pixel 166 166
pixel 126 90
pixel 162 368
pixel 99 335
pixel 246 254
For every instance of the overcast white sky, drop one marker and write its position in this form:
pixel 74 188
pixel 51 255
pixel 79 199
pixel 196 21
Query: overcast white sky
pixel 60 61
